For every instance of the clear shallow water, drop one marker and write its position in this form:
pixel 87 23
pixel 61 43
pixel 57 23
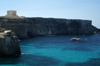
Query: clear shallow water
pixel 57 51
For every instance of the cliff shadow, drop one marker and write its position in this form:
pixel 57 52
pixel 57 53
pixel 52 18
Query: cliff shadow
pixel 30 60
pixel 90 62
pixel 78 49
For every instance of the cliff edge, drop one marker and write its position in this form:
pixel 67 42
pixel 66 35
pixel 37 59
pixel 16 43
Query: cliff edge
pixel 30 27
pixel 9 45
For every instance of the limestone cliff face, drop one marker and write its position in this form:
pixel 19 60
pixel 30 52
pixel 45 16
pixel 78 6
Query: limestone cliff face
pixel 29 27
pixel 9 44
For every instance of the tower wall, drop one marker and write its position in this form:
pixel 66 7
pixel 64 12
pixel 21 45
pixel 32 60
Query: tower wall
pixel 12 14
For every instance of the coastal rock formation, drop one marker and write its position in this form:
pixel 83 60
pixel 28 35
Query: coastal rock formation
pixel 9 44
pixel 30 27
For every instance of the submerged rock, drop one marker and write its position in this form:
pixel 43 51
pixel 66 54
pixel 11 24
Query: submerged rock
pixel 9 44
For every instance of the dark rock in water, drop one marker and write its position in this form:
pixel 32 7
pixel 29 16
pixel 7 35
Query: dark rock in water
pixel 9 45
pixel 97 32
pixel 30 27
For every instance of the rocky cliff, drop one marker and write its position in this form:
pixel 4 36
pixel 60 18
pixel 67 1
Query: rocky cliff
pixel 29 27
pixel 9 45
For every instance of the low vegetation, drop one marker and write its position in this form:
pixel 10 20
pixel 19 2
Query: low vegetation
pixel 2 29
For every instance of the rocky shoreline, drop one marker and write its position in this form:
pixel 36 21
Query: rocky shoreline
pixel 30 27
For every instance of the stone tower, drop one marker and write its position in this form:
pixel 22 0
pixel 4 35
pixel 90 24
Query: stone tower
pixel 12 14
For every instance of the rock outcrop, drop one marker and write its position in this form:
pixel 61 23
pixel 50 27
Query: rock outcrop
pixel 29 27
pixel 9 45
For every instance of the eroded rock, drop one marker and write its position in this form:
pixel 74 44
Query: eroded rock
pixel 9 44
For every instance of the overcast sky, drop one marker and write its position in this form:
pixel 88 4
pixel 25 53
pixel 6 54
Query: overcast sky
pixel 69 9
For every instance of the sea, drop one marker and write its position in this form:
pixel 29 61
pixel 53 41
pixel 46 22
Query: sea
pixel 57 50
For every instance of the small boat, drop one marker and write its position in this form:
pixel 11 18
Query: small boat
pixel 77 39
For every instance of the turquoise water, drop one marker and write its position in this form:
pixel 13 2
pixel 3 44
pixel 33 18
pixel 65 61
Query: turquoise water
pixel 57 51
